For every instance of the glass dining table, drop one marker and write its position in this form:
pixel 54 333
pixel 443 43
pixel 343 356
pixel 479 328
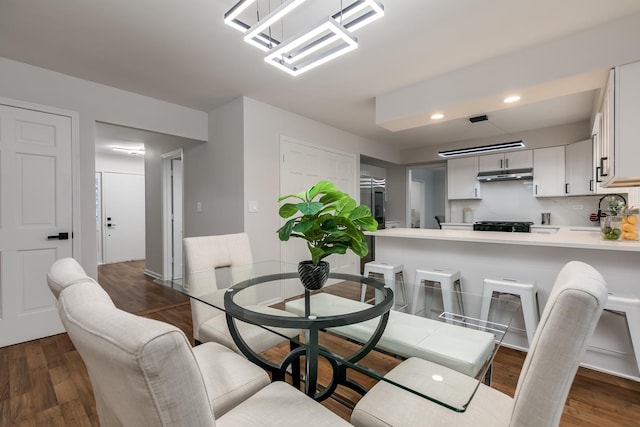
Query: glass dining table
pixel 357 328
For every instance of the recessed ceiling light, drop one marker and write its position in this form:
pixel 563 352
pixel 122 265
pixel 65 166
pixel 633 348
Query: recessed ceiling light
pixel 510 99
pixel 437 116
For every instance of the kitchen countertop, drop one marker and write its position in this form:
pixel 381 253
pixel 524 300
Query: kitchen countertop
pixel 566 236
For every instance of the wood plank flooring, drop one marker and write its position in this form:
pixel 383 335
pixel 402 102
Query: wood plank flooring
pixel 45 383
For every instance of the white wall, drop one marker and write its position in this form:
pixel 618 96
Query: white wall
pixel 263 126
pixel 119 163
pixel 95 102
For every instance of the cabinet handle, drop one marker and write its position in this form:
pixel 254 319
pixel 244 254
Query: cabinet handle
pixel 506 163
pixel 566 188
pixel 536 189
pixel 598 174
pixel 590 185
pixel 475 192
pixel 500 163
pixel 602 159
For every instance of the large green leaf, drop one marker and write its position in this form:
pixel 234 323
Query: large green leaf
pixel 285 231
pixel 287 210
pixel 320 188
pixel 309 208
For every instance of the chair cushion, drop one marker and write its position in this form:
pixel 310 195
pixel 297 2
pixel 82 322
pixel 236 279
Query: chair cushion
pixel 280 405
pixel 259 338
pixel 228 377
pixel 388 405
pixel 462 349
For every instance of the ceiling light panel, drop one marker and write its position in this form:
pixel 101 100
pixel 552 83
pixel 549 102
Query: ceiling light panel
pixel 359 13
pixel 482 149
pixel 326 41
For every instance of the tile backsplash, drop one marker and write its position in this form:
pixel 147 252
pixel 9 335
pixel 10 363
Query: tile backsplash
pixel 514 201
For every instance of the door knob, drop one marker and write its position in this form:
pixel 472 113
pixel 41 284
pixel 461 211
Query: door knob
pixel 59 236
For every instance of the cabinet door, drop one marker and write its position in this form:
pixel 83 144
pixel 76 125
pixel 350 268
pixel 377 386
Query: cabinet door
pixel 491 162
pixel 606 131
pixel 462 182
pixel 578 170
pixel 548 172
pixel 625 163
pixel 518 160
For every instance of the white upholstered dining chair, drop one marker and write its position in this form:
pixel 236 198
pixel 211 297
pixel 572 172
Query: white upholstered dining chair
pixel 144 372
pixel 203 255
pixel 566 325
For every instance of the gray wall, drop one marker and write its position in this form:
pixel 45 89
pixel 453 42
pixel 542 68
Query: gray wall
pixel 214 176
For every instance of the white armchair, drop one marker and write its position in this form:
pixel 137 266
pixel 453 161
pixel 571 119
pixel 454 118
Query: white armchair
pixel 203 255
pixel 145 373
pixel 566 325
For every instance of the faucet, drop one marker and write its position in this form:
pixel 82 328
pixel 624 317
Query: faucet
pixel 614 196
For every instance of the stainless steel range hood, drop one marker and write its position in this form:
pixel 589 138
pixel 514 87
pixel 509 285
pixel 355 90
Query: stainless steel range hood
pixel 506 175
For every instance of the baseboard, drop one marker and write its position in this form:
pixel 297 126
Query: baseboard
pixel 153 274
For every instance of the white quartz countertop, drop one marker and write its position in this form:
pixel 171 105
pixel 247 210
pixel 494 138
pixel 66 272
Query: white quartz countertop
pixel 568 237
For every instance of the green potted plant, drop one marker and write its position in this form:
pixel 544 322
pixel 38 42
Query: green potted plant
pixel 332 224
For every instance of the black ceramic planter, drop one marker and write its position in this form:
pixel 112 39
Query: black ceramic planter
pixel 313 277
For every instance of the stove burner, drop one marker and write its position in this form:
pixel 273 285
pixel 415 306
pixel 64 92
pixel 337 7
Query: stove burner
pixel 508 226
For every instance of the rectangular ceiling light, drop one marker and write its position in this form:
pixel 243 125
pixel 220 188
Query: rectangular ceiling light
pixel 321 44
pixel 482 149
pixel 253 34
pixel 359 13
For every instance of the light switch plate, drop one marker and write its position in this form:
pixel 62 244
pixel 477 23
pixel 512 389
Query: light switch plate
pixel 253 206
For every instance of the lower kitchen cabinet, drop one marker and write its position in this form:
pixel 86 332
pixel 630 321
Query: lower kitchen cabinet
pixel 548 172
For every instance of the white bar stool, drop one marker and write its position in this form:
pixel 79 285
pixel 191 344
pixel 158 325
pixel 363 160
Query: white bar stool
pixel 390 273
pixel 629 306
pixel 449 281
pixel 526 291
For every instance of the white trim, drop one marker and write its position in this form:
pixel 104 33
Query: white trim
pixel 76 244
pixel 152 274
pixel 167 240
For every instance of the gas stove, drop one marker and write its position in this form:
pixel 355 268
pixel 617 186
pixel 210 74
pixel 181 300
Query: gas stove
pixel 509 226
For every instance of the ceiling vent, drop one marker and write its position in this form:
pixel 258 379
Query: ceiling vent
pixel 477 119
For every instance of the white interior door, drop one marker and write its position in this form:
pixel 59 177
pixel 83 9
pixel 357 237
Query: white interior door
pixel 123 217
pixel 301 167
pixel 35 211
pixel 176 209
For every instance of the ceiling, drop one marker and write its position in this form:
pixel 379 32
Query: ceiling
pixel 181 52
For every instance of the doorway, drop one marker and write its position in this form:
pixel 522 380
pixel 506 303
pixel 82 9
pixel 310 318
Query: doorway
pixel 426 196
pixel 173 224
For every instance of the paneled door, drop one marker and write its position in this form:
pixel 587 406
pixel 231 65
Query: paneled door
pixel 303 165
pixel 35 219
pixel 123 217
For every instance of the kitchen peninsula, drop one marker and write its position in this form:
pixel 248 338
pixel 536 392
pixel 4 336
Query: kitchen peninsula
pixel 528 256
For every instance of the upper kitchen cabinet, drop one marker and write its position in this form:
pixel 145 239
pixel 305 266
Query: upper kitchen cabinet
pixel 578 168
pixel 619 149
pixel 503 161
pixel 548 172
pixel 462 182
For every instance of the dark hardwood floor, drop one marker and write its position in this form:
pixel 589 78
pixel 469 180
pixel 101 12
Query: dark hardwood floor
pixel 44 382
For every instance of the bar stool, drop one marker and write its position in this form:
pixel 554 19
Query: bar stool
pixel 390 273
pixel 628 306
pixel 526 291
pixel 449 282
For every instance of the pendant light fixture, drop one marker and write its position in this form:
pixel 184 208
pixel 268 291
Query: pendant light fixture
pixel 329 39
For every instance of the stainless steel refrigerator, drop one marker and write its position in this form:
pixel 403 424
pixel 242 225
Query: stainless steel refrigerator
pixel 372 194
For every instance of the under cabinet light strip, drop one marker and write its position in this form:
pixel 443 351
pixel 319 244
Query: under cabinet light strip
pixel 481 149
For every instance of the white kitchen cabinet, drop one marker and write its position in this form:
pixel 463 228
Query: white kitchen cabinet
pixel 462 182
pixel 548 172
pixel 578 168
pixel 621 128
pixel 522 159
